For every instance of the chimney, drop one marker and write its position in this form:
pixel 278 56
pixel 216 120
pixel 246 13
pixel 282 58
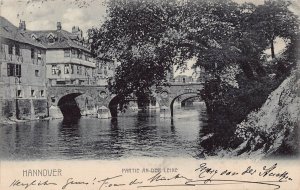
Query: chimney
pixel 58 26
pixel 22 25
pixel 75 29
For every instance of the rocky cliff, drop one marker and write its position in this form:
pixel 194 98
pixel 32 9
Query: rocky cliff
pixel 273 130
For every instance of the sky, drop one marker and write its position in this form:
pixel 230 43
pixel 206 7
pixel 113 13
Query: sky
pixel 44 14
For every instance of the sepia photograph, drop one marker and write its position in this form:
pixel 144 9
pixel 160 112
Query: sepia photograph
pixel 184 94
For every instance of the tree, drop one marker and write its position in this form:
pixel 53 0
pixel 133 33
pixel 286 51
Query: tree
pixel 142 37
pixel 274 19
pixel 149 38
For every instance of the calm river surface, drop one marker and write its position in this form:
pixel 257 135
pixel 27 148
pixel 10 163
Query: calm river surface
pixel 143 135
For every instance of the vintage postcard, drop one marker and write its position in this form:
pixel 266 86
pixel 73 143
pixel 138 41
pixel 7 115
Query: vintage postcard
pixel 149 94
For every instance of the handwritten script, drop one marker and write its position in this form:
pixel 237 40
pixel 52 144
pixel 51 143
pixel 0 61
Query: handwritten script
pixel 204 175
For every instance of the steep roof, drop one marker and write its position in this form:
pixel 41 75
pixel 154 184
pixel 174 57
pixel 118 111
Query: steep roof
pixel 63 39
pixel 10 31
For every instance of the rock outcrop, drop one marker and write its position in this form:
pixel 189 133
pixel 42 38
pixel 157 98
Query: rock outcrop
pixel 273 129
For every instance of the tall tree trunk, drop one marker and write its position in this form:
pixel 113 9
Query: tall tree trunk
pixel 272 49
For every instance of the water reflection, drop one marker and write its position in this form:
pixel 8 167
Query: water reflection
pixel 141 134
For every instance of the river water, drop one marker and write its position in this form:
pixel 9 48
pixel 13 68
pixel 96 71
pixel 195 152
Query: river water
pixel 142 134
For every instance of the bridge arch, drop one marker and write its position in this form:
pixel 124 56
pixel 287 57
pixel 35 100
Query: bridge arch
pixel 88 98
pixel 190 95
pixel 68 105
pixel 114 103
pixel 183 102
pixel 113 106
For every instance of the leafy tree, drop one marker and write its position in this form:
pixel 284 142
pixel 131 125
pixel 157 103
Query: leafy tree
pixel 142 37
pixel 274 19
pixel 149 38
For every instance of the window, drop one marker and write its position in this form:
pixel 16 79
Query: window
pixel 78 69
pixel 105 70
pixel 42 93
pixel 37 73
pixel 32 53
pixel 67 68
pixel 32 92
pixel 86 57
pixel 53 99
pixel 17 50
pixel 19 93
pixel 85 71
pixel 39 54
pixel 51 40
pixel 10 69
pixel 72 69
pixel 33 36
pixel 18 70
pixel 13 70
pixel 61 82
pixel 54 69
pixel 67 53
pixel 73 52
pixel 10 49
pixel 2 48
pixel 79 54
pixel 99 68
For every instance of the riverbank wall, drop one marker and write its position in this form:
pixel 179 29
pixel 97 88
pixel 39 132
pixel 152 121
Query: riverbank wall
pixel 22 109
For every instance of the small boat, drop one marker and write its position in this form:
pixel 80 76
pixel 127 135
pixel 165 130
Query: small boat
pixel 103 113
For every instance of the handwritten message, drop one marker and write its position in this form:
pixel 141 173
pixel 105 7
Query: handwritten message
pixel 271 176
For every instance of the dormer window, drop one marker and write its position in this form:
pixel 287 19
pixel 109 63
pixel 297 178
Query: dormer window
pixel 51 38
pixel 33 36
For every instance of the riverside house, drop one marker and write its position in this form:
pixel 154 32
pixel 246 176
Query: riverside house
pixel 22 73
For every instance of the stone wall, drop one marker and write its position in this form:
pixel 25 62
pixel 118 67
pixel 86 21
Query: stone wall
pixel 40 108
pixel 7 108
pixel 27 109
pixel 24 107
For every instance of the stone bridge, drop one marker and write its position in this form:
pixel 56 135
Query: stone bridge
pixel 87 98
pixel 97 100
pixel 176 92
